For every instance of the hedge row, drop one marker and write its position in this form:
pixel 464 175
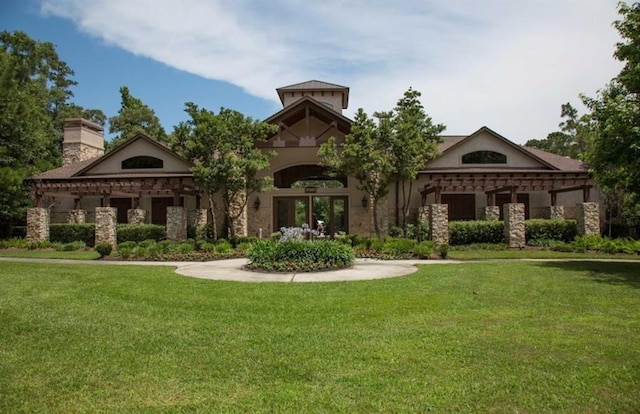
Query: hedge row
pixel 67 233
pixel 472 232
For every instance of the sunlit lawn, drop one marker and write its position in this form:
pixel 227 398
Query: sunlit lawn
pixel 488 337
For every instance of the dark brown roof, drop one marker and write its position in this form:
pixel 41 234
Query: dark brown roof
pixel 449 141
pixel 316 85
pixel 65 171
pixel 559 161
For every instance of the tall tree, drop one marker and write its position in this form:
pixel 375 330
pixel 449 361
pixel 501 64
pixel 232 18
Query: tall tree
pixel 34 91
pixel 134 117
pixel 615 112
pixel 223 148
pixel 574 138
pixel 415 141
pixel 365 155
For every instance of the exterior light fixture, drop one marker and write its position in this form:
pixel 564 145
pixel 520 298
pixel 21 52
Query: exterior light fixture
pixel 365 201
pixel 256 204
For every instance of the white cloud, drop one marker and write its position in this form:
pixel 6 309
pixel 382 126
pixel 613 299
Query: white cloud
pixel 505 64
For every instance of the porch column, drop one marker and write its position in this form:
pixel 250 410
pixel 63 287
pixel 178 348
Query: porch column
pixel 492 213
pixel 514 230
pixel 176 223
pixel 76 216
pixel 556 212
pixel 198 219
pixel 136 216
pixel 106 220
pixel 439 225
pixel 240 210
pixel 37 224
pixel 588 217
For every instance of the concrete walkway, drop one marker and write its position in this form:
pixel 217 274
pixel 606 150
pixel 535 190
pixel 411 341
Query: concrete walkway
pixel 232 269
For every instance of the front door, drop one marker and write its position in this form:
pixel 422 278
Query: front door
pixel 326 214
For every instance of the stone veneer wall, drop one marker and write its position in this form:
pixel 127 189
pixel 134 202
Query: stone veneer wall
pixel 556 212
pixel 136 216
pixel 439 226
pixel 176 223
pixel 74 152
pixel 383 217
pixel 106 220
pixel 197 217
pixel 514 228
pixel 492 213
pixel 588 217
pixel 424 216
pixel 76 216
pixel 260 223
pixel 361 220
pixel 37 224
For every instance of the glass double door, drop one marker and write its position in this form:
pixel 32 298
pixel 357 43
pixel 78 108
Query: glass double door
pixel 326 214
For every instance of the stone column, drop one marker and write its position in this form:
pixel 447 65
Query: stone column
pixel 424 216
pixel 556 212
pixel 37 224
pixel 240 223
pixel 492 213
pixel 514 230
pixel 382 211
pixel 198 220
pixel 136 216
pixel 176 223
pixel 439 225
pixel 106 220
pixel 588 217
pixel 77 216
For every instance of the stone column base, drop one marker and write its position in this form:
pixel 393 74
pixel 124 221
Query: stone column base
pixel 588 217
pixel 106 220
pixel 37 224
pixel 176 223
pixel 555 213
pixel 136 216
pixel 76 216
pixel 492 213
pixel 514 229
pixel 439 226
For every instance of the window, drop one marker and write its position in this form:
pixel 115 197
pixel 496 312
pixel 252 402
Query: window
pixel 142 161
pixel 484 157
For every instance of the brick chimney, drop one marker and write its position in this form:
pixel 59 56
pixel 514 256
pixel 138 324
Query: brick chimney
pixel 82 140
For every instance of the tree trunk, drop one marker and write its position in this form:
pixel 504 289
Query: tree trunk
pixel 376 225
pixel 214 225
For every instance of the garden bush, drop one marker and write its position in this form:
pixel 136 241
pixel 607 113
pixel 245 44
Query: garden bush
pixel 104 249
pixel 299 255
pixel 481 231
pixel 69 232
pixel 539 229
pixel 140 232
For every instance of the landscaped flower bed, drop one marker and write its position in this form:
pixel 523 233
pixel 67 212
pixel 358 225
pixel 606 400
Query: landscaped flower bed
pixel 299 255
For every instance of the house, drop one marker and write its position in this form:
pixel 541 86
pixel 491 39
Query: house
pixel 145 181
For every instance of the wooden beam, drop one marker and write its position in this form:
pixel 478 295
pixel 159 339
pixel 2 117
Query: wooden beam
pixel 514 194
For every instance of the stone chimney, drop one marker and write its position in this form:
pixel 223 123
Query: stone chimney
pixel 82 141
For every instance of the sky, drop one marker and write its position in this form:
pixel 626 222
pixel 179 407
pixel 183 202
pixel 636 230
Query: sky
pixel 505 64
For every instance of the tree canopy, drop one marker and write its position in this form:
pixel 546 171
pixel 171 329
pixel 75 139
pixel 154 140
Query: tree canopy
pixel 35 89
pixel 134 117
pixel 223 148
pixel 615 112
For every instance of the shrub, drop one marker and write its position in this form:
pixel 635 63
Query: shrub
pixel 299 255
pixel 398 246
pixel 424 249
pixel 15 243
pixel 103 249
pixel 468 232
pixel 443 251
pixel 69 247
pixel 223 246
pixel 140 232
pixel 69 232
pixel 564 230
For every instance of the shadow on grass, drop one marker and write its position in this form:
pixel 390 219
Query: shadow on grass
pixel 614 273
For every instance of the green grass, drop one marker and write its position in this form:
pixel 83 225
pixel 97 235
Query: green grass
pixel 50 254
pixel 479 254
pixel 479 337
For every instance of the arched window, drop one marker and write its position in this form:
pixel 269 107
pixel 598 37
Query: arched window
pixel 302 176
pixel 142 161
pixel 484 157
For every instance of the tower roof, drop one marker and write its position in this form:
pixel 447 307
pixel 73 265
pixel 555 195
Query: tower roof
pixel 316 85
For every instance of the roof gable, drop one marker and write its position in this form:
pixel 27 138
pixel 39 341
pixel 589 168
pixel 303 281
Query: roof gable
pixel 485 139
pixel 140 145
pixel 315 86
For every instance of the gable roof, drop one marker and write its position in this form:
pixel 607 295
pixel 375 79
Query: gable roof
pixel 317 106
pixel 315 85
pixel 65 171
pixel 459 142
pixel 559 161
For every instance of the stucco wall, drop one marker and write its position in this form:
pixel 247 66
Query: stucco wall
pixel 334 99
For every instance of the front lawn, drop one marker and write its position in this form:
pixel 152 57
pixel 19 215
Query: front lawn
pixel 480 337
